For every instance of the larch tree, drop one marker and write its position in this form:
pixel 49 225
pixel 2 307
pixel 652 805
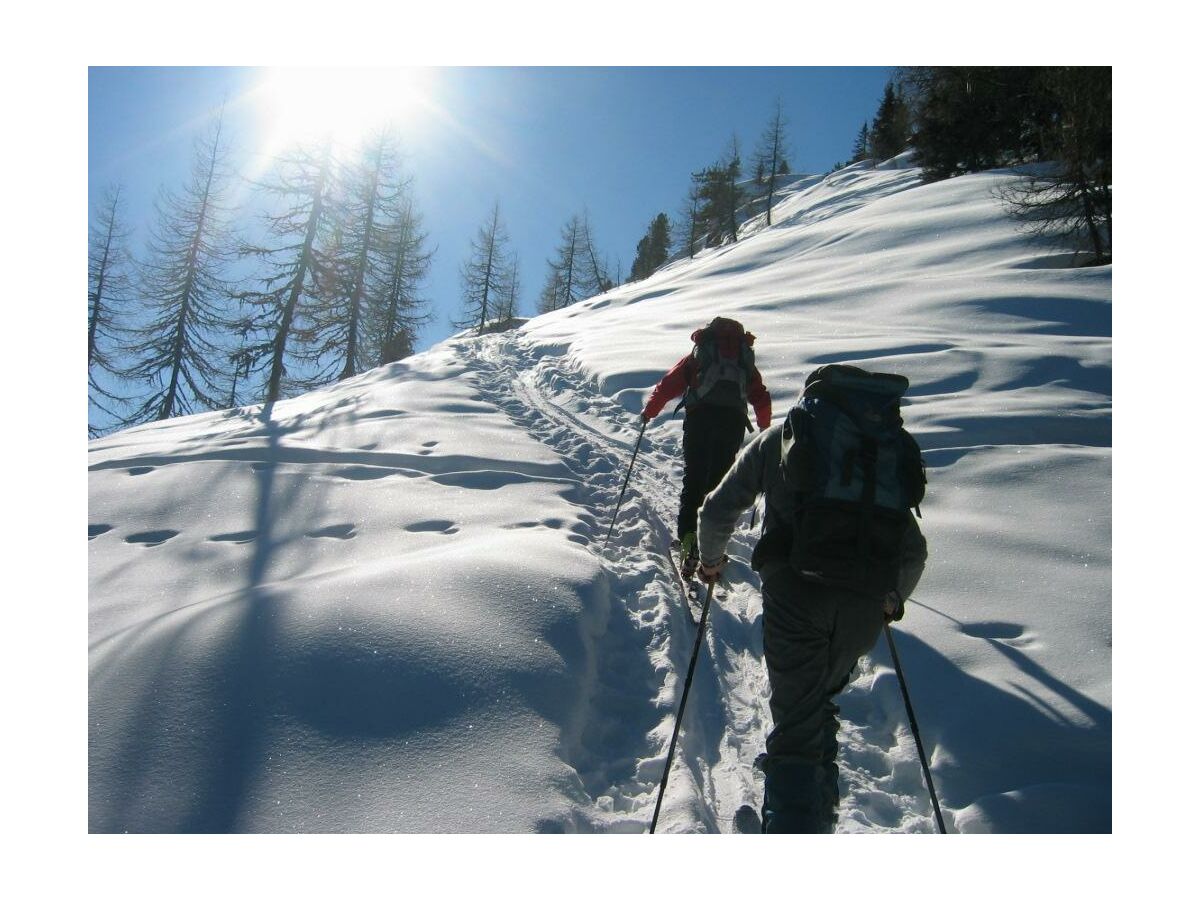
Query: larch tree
pixel 401 311
pixel 596 279
pixel 108 293
pixel 180 348
pixel 566 282
pixel 296 262
pixel 370 190
pixel 484 275
pixel 771 155
pixel 1071 199
pixel 689 229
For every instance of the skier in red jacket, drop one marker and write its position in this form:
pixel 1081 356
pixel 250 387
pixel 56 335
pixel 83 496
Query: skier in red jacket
pixel 717 379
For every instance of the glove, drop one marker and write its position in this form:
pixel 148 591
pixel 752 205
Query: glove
pixel 709 573
pixel 893 606
pixel 645 418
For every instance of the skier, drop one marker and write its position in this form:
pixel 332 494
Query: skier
pixel 824 605
pixel 717 378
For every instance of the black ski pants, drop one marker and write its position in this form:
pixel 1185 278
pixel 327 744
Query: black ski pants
pixel 712 437
pixel 813 636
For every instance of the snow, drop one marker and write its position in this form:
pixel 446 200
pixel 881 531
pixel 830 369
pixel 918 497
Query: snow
pixel 386 605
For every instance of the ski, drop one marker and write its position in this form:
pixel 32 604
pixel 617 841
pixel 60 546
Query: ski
pixel 689 586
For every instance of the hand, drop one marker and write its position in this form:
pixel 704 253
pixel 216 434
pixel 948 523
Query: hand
pixel 709 573
pixel 893 607
pixel 645 418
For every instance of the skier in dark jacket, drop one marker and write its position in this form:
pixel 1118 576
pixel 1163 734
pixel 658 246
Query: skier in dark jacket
pixel 717 379
pixel 813 635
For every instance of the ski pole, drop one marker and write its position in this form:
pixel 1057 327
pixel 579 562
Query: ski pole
pixel 687 684
pixel 912 721
pixel 636 447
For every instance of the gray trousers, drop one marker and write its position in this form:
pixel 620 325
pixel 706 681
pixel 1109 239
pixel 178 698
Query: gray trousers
pixel 813 635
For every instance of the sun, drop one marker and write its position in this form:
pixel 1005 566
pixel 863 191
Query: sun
pixel 345 105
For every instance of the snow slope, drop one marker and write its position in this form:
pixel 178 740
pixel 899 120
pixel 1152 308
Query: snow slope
pixel 385 605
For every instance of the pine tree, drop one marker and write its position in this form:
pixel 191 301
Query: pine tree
pixel 862 145
pixel 889 131
pixel 652 250
pixel 179 350
pixel 108 292
pixel 297 263
pixel 972 118
pixel 720 196
pixel 485 275
pixel 771 155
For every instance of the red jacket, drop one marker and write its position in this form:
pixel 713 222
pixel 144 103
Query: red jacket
pixel 684 374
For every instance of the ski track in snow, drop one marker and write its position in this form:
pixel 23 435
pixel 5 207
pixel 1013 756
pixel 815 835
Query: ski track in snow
pixel 727 719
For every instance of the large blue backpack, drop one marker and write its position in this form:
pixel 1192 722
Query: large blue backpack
pixel 855 473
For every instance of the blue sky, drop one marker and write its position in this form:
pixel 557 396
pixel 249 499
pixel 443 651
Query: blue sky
pixel 546 143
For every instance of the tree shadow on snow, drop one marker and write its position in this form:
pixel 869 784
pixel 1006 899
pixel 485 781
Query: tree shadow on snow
pixel 192 754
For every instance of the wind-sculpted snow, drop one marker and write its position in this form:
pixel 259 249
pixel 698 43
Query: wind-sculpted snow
pixel 386 605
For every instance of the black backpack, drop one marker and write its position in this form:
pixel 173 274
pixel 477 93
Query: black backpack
pixel 855 472
pixel 724 362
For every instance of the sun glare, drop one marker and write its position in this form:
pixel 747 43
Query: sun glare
pixel 346 105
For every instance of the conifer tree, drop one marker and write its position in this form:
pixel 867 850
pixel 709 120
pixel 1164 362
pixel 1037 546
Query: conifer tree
pixel 690 227
pixel 297 262
pixel 862 145
pixel 889 131
pixel 971 118
pixel 179 349
pixel 733 194
pixel 1072 199
pixel 771 156
pixel 511 300
pixel 566 282
pixel 595 274
pixel 370 190
pixel 108 293
pixel 485 275
pixel 720 196
pixel 652 249
pixel 398 317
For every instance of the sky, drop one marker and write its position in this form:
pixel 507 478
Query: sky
pixel 545 143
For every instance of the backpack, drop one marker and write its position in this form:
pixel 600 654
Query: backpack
pixel 855 473
pixel 724 357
